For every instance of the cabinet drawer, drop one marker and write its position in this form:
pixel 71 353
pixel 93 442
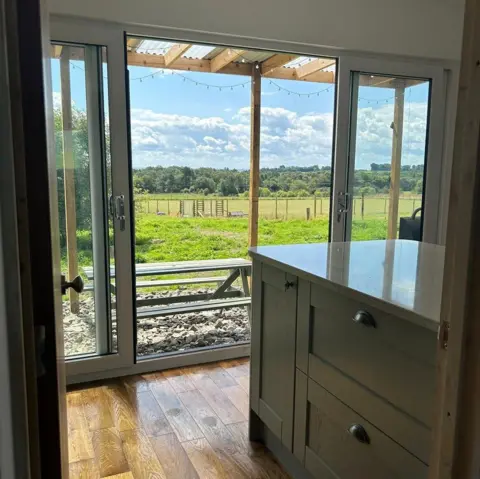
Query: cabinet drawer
pixel 342 441
pixel 395 359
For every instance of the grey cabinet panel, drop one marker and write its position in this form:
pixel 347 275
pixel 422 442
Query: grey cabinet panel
pixel 393 359
pixel 273 349
pixel 328 436
pixel 405 430
pixel 300 431
pixel 303 324
pixel 317 467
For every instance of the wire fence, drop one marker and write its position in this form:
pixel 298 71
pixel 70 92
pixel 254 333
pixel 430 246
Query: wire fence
pixel 271 208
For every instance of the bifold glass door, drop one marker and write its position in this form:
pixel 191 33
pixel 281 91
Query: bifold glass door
pixel 388 166
pixel 92 202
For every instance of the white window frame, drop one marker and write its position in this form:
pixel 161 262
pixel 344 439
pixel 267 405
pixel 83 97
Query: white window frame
pixel 113 40
pixel 345 139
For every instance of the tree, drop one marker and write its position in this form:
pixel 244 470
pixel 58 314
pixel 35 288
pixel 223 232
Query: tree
pixel 204 184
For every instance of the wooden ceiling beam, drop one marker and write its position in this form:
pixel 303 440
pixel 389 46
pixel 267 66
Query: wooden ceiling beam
pixel 225 57
pixel 196 65
pixel 175 52
pixel 133 43
pixel 276 61
pixel 313 67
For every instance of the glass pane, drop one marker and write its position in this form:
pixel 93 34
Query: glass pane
pixel 191 154
pixel 296 154
pixel 84 183
pixel 388 164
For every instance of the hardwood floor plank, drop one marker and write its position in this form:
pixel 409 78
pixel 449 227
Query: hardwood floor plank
pixel 236 368
pixel 151 415
pixel 220 377
pixel 204 459
pixel 177 415
pixel 86 469
pixel 173 458
pixel 223 407
pixel 125 416
pixel 95 406
pixel 259 467
pixel 135 384
pixel 109 454
pixel 244 382
pixel 140 455
pixel 179 380
pixel 214 430
pixel 239 398
pixel 125 475
pixel 239 433
pixel 80 446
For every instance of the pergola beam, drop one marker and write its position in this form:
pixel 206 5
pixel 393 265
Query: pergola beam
pixel 395 169
pixel 224 58
pixel 69 176
pixel 314 66
pixel 276 61
pixel 175 52
pixel 254 155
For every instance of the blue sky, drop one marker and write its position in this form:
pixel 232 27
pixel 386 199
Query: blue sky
pixel 178 122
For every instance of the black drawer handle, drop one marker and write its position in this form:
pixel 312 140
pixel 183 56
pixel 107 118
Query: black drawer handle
pixel 359 433
pixel 289 284
pixel 365 318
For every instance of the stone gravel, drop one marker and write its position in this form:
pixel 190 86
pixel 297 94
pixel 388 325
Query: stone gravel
pixel 162 334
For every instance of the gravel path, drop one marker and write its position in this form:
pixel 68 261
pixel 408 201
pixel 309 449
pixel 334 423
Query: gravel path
pixel 161 334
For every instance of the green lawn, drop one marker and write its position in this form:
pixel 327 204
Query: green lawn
pixel 163 238
pixel 166 238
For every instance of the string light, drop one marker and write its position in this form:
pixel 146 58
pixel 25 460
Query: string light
pixel 300 94
pixel 381 100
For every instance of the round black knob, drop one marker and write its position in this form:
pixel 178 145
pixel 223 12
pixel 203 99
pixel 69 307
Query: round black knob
pixel 365 318
pixel 359 433
pixel 289 284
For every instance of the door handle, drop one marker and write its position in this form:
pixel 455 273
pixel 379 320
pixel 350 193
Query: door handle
pixel 76 284
pixel 120 211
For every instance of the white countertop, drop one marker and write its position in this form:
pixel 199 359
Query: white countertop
pixel 406 274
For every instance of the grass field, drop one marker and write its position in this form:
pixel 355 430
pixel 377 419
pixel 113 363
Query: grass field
pixel 281 208
pixel 163 238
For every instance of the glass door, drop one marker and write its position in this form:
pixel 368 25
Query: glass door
pixel 93 203
pixel 388 169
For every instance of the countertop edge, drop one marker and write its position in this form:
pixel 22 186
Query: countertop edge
pixel 385 306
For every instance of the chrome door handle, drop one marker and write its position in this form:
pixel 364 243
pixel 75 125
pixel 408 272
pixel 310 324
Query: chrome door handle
pixel 76 284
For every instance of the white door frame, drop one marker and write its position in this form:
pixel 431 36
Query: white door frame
pixel 113 40
pixel 344 140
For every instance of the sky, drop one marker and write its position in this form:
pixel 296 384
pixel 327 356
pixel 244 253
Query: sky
pixel 202 119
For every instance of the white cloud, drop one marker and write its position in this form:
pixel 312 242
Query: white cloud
pixel 287 138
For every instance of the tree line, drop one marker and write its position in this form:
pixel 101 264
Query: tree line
pixel 284 181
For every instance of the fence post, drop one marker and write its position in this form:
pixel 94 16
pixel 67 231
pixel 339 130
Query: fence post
pixel 226 206
pixel 211 208
pixel 321 206
pixel 157 206
pixel 286 208
pixel 314 206
pixel 276 208
pixel 168 207
pixel 363 204
pixel 148 206
pixel 308 214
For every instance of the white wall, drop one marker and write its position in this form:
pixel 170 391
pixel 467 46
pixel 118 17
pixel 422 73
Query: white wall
pixel 424 28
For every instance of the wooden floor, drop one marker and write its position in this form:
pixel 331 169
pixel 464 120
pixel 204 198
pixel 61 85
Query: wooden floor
pixel 188 423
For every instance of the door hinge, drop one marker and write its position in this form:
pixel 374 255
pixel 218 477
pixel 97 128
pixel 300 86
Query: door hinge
pixel 443 334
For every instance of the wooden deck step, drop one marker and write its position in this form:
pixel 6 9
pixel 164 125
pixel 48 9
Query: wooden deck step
pixel 193 308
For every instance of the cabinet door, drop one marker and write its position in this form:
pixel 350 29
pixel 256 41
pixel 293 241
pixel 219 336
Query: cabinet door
pixel 274 301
